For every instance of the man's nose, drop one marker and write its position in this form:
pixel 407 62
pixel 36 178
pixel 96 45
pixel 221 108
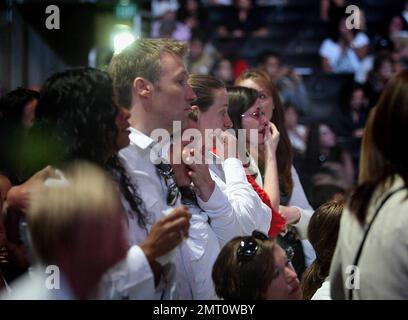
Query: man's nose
pixel 190 94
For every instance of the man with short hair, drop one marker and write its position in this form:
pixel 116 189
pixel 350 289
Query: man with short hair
pixel 150 77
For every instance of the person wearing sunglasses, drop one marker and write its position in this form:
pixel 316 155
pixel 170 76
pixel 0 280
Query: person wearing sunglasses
pixel 255 268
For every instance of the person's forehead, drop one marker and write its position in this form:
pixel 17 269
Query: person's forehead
pixel 171 63
pixel 221 96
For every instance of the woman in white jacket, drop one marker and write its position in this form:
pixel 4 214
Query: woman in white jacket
pixel 371 249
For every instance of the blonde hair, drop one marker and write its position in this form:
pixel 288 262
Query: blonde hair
pixel 141 59
pixel 56 211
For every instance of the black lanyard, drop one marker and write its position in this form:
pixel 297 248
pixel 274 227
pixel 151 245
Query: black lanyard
pixel 360 249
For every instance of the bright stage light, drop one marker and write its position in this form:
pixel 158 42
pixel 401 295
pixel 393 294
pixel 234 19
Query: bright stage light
pixel 122 37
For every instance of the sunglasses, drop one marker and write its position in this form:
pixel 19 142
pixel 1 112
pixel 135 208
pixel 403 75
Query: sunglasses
pixel 173 192
pixel 249 246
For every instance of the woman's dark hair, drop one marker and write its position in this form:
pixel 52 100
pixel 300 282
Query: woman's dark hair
pixel 388 125
pixel 240 99
pixel 13 103
pixel 322 233
pixel 204 87
pixel 334 32
pixel 313 151
pixel 128 190
pixel 244 280
pixel 77 111
pixel 13 133
pixel 285 150
pixel 346 95
pixel 76 121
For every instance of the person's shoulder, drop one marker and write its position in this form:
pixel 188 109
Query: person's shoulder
pixel 327 46
pixel 30 286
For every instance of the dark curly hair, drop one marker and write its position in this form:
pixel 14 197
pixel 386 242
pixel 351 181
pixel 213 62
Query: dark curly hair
pixel 76 121
pixel 13 132
pixel 76 115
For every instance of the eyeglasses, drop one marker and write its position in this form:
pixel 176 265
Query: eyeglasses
pixel 173 192
pixel 249 246
pixel 256 114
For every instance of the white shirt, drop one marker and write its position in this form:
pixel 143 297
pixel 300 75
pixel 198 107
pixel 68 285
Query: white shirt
pixel 204 249
pixel 339 61
pixel 132 278
pixel 249 210
pixel 323 293
pixel 138 157
pixel 206 239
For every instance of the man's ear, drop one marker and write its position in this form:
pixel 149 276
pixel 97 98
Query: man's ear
pixel 142 87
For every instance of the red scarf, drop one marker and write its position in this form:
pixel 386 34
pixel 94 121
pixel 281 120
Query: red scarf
pixel 278 222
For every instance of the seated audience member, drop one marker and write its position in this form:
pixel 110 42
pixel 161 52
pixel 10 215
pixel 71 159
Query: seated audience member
pixel 223 71
pixel 243 20
pixel 322 233
pixel 193 14
pixel 297 132
pixel 344 51
pixel 166 14
pixel 382 72
pixel 332 10
pixel 290 84
pixel 323 153
pixel 351 122
pixel 75 226
pixel 202 54
pixel 255 268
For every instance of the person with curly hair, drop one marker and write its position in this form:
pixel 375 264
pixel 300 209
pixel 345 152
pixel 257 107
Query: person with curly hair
pixel 77 119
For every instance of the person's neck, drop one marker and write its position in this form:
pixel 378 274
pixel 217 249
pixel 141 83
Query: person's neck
pixel 143 122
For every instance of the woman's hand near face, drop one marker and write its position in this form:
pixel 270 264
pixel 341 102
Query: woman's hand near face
pixel 199 173
pixel 271 139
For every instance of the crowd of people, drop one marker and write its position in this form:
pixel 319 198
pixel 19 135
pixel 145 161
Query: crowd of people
pixel 158 179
